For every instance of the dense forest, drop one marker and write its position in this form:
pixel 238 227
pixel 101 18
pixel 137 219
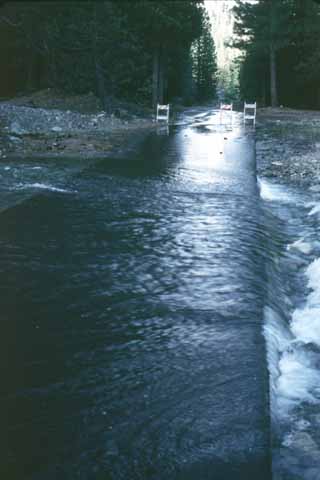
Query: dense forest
pixel 144 51
pixel 280 40
pixel 150 52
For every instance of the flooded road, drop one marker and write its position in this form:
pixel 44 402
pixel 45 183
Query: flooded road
pixel 133 297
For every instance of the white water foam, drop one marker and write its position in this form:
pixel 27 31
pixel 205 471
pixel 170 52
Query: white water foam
pixel 315 210
pixel 302 246
pixel 293 338
pixel 43 186
pixel 294 375
pixel 293 365
pixel 305 322
pixel 299 379
pixel 275 193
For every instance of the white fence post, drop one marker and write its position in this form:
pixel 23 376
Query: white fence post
pixel 252 115
pixel 163 112
pixel 226 107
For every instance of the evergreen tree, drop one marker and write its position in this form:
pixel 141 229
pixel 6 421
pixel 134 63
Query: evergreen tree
pixel 165 28
pixel 123 49
pixel 263 28
pixel 280 40
pixel 303 56
pixel 204 63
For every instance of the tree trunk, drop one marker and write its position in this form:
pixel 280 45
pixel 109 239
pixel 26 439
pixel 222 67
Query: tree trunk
pixel 187 86
pixel 273 77
pixel 158 77
pixel 53 70
pixel 161 77
pixel 264 94
pixel 100 85
pixel 30 72
pixel 198 56
pixel 99 73
pixel 155 77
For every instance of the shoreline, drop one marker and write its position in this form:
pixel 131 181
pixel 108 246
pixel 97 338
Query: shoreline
pixel 288 146
pixel 61 141
pixel 287 140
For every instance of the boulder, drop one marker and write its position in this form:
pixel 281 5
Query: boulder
pixel 16 129
pixel 314 188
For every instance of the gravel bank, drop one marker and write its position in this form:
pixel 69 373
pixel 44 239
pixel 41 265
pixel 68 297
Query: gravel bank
pixel 288 146
pixel 30 126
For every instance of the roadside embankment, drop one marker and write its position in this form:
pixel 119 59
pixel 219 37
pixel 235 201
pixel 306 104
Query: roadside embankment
pixel 47 124
pixel 288 145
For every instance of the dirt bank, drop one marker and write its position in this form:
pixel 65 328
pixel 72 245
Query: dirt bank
pixel 51 124
pixel 48 123
pixel 288 145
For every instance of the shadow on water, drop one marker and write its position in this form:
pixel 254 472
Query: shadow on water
pixel 151 158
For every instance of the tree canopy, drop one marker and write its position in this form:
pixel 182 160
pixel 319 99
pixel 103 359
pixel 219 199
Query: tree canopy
pixel 280 41
pixel 134 50
pixel 204 63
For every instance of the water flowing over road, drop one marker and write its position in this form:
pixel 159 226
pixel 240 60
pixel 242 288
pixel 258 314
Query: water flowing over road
pixel 138 304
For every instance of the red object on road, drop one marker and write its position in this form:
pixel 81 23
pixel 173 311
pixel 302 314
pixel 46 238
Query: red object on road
pixel 225 107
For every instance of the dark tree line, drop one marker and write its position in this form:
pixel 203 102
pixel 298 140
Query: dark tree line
pixel 281 44
pixel 204 63
pixel 136 50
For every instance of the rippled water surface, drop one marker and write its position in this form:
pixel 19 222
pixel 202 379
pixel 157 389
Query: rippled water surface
pixel 133 296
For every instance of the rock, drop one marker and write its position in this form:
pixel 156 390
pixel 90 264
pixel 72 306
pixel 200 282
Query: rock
pixel 17 129
pixel 316 418
pixel 15 139
pixel 56 129
pixel 304 444
pixel 311 474
pixel 112 448
pixel 314 188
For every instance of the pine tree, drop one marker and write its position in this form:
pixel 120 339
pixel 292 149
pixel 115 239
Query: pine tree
pixel 263 29
pixel 204 63
pixel 166 27
pixel 125 49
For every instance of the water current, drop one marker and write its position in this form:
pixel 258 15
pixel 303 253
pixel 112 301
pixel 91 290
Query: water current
pixel 292 329
pixel 159 314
